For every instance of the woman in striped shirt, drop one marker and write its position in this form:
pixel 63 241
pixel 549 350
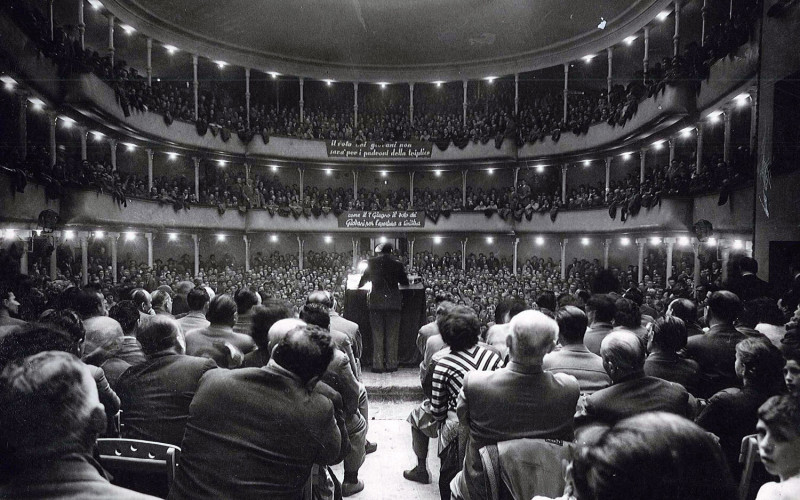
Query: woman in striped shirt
pixel 460 330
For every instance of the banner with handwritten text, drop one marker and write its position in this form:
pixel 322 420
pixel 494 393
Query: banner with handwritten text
pixel 371 149
pixel 382 219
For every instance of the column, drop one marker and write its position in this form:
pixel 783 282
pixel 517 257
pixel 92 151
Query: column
pixel 606 247
pixel 516 178
pixel 54 260
pixel 564 169
pixel 725 251
pixel 196 241
pixel 149 61
pixel 670 248
pixel 247 94
pixel 566 90
pixel 514 264
pixel 642 164
pixel 411 102
pixel 753 118
pixel 84 239
pixel 83 130
pixel 246 253
pixel 609 159
pixel 302 172
pixel 696 271
pixel 23 259
pixel 111 38
pixel 411 254
pixel 463 188
pixel 300 243
pixel 112 143
pixel 22 125
pixel 301 99
pixel 149 169
pixel 676 38
pixel 704 14
pixel 726 143
pixel 149 238
pixel 699 165
pixel 50 17
pixel 671 143
pixel 114 237
pixel 354 263
pixel 646 52
pixel 411 188
pixel 563 244
pixel 195 86
pixel 355 104
pixel 196 177
pixel 81 25
pixel 465 103
pixel 52 118
pixel 516 95
pixel 355 184
pixel 609 78
pixel 640 261
pixel 464 254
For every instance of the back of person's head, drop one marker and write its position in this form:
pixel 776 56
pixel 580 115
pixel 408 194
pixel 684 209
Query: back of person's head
pixel 126 314
pixel 684 309
pixel 768 311
pixel 279 330
pixel 602 307
pixel 652 456
pixel 305 351
pixel 572 323
pixel 197 298
pixel 50 408
pixel 320 297
pixel 547 300
pixel 760 363
pixel 724 306
pixel 161 299
pixel 604 282
pixel 532 335
pixel 159 333
pixel 628 314
pixel 103 339
pixel 87 303
pixel 316 314
pixel 748 314
pixel 623 353
pixel 748 264
pixel 245 300
pixel 34 338
pixel 183 287
pixel 633 293
pixel 669 334
pixel 567 299
pixel 66 320
pixel 264 316
pixel 385 248
pixel 222 310
pixel 142 299
pixel 460 328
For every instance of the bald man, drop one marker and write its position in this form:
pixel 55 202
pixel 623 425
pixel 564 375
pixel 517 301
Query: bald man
pixel 104 339
pixel 631 391
pixel 518 401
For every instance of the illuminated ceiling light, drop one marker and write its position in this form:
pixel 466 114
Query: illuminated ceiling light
pixel 37 103
pixel 738 244
pixel 438 83
pixel 220 237
pixel 98 136
pixel 741 99
pixel 382 239
pixel 588 58
pixel 328 171
pixel 662 15
pixel 712 242
pixel 67 121
pixel 489 240
pixel 585 241
pixel 437 239
pixel 328 239
pixel 69 234
pixel 683 241
pixel 687 131
pixel 221 163
pixel 540 168
pixel 273 238
pixel 490 171
pixel 127 28
pixel 220 64
pixel 99 235
pixel 172 156
pixel 438 173
pixel 539 240
pixel 130 146
pixel 274 74
pixel 490 79
pixel 586 163
pixel 629 40
pixel 130 236
pixel 10 233
pixel 172 236
pixel 96 5
pixel 655 241
pixel 626 156
pixel 171 49
pixel 713 117
pixel 658 144
pixel 625 241
pixel 274 168
pixel 383 84
pixel 38 232
pixel 328 82
pixel 384 173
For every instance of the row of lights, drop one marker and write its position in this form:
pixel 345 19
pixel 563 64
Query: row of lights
pixel 661 16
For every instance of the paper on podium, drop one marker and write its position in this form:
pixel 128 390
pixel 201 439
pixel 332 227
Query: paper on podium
pixel 354 279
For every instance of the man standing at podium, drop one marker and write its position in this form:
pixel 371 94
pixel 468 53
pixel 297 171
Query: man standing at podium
pixel 385 303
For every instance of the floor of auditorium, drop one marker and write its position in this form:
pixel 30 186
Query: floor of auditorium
pixel 392 397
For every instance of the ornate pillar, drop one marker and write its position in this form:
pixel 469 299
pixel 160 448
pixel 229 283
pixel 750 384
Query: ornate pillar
pixel 354 260
pixel 355 184
pixel 609 159
pixel 704 14
pixel 464 254
pixel 196 241
pixel 23 259
pixel 114 258
pixel 355 105
pixel 516 178
pixel 566 91
pixel 246 253
pixel 563 244
pixel 196 177
pixel 671 143
pixel 465 103
pixel 645 63
pixel 84 240
pixel 300 243
pixel 22 125
pixel 111 20
pixel 642 164
pixel 247 94
pixel 411 253
pixel 54 260
pixel 676 38
pixel 112 144
pixel 52 117
pixel 196 87
pixel 516 94
pixel 726 142
pixel 725 251
pixel 463 188
pixel 564 169
pixel 302 172
pixel 640 243
pixel 411 102
pixel 411 187
pixel 149 238
pixel 606 247
pixel 81 25
pixel 696 270
pixel 609 78
pixel 514 264
pixel 699 165
pixel 753 118
pixel 670 248
pixel 149 61
pixel 83 130
pixel 301 99
pixel 50 17
pixel 149 152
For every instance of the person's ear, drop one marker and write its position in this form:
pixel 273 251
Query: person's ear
pixel 97 420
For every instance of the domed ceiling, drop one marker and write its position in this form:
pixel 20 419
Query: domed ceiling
pixel 388 40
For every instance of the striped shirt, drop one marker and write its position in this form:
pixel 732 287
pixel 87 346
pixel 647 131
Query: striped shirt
pixel 448 376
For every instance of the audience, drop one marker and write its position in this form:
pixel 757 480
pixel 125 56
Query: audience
pixel 218 341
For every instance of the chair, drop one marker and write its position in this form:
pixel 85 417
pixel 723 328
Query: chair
pixel 139 464
pixel 748 456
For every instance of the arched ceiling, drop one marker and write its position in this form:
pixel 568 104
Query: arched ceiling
pixel 389 40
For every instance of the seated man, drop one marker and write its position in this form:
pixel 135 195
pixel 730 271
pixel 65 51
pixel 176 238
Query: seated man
pixel 50 417
pixel 218 341
pixel 574 358
pixel 245 301
pixel 779 446
pixel 127 316
pixel 156 394
pixel 518 401
pixel 600 309
pixel 104 339
pixel 197 301
pixel 668 337
pixel 264 316
pixel 632 392
pixel 256 432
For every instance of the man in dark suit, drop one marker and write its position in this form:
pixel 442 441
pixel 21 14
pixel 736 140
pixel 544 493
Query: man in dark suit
pixel 156 394
pixel 600 310
pixel 574 358
pixel 748 286
pixel 256 432
pixel 385 303
pixel 686 310
pixel 715 350
pixel 668 336
pixel 631 392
